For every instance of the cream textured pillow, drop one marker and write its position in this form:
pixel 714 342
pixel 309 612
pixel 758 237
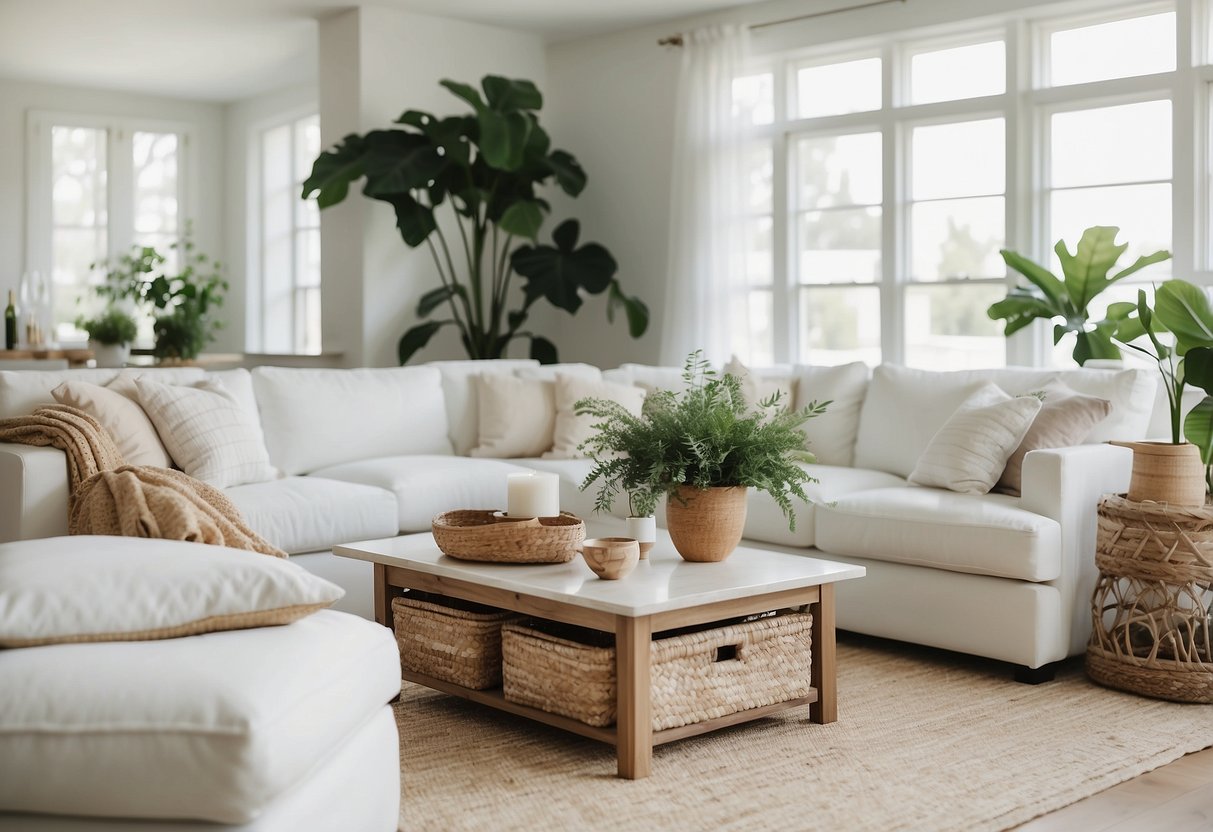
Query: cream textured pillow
pixel 758 385
pixel 133 432
pixel 1066 417
pixel 517 416
pixel 571 429
pixel 209 434
pixel 141 589
pixel 970 451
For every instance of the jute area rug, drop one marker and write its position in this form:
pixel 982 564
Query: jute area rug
pixel 925 740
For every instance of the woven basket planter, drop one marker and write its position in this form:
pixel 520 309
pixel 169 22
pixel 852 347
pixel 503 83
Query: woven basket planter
pixel 449 639
pixel 1152 632
pixel 705 525
pixel 695 676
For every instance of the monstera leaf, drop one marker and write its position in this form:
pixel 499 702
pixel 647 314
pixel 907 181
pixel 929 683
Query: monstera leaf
pixel 1065 300
pixel 562 272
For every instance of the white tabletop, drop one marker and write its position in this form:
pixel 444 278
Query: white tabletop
pixel 662 582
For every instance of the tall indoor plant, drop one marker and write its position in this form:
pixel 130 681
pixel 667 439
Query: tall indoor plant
pixel 699 449
pixel 484 167
pixel 1065 300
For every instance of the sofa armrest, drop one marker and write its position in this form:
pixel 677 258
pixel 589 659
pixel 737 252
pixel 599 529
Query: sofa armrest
pixel 1066 484
pixel 33 492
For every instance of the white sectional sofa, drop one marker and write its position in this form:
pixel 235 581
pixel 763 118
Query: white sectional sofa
pixel 373 453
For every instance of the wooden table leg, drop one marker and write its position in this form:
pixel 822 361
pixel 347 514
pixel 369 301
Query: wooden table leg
pixel 383 596
pixel 824 671
pixel 634 724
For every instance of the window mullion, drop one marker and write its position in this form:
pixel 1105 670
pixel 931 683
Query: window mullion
pixel 785 308
pixel 895 192
pixel 1187 133
pixel 120 188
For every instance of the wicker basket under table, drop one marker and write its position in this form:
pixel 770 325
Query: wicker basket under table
pixel 1152 627
pixel 449 639
pixel 695 676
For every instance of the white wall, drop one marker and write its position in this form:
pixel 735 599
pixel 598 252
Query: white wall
pixel 17 98
pixel 242 120
pixel 612 102
pixel 386 62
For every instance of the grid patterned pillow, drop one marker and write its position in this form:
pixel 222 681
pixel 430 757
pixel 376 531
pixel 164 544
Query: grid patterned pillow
pixel 209 434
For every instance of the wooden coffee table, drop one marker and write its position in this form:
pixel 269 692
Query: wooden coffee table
pixel 662 593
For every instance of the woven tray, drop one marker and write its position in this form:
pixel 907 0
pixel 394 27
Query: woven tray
pixel 457 641
pixel 696 675
pixel 486 536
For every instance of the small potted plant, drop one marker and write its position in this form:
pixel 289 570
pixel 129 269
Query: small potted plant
pixel 699 449
pixel 110 335
pixel 183 300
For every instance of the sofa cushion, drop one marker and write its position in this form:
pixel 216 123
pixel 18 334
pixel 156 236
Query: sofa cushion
pixel 832 434
pixel 517 416
pixel 317 418
pixel 765 522
pixel 309 514
pixel 429 485
pixel 649 377
pixel 572 429
pixel 141 589
pixel 986 534
pixel 209 434
pixel 462 399
pixel 210 727
pixel 126 421
pixel 21 391
pixel 905 407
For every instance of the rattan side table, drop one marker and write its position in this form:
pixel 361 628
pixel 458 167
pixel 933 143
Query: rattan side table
pixel 1152 623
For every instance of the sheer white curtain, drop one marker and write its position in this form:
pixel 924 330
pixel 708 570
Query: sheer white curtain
pixel 706 300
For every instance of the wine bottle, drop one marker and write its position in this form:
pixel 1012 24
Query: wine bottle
pixel 10 323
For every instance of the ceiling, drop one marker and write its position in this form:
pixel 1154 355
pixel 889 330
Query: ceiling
pixel 223 50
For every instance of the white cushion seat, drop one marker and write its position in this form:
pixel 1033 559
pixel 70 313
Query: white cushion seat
pixel 985 534
pixel 427 485
pixel 767 524
pixel 306 514
pixel 211 727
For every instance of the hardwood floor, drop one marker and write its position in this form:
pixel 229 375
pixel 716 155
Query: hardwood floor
pixel 1175 798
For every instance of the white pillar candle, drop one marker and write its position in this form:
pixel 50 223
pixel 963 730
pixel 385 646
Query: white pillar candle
pixel 533 494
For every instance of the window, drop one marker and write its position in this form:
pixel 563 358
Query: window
pixel 893 175
pixel 289 267
pixel 97 187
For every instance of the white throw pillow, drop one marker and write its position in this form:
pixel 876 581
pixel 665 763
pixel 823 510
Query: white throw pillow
pixel 549 372
pixel 21 391
pixel 760 385
pixel 132 431
pixel 972 448
pixel 572 429
pixel 647 377
pixel 141 589
pixel 209 434
pixel 460 392
pixel 517 416
pixel 832 434
pixel 316 418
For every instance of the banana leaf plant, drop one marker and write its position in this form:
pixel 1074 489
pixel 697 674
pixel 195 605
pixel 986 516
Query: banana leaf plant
pixel 1183 310
pixel 1065 300
pixel 485 169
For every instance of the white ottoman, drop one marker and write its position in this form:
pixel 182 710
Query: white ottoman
pixel 263 729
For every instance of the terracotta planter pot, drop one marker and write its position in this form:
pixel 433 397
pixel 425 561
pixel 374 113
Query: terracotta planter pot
pixel 706 525
pixel 1166 473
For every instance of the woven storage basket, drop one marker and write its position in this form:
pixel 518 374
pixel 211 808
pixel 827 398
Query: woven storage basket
pixel 695 675
pixel 486 536
pixel 1152 631
pixel 449 639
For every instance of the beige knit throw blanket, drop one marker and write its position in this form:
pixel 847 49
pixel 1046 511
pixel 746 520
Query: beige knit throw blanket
pixel 108 497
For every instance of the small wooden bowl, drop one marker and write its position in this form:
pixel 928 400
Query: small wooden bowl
pixel 481 536
pixel 611 558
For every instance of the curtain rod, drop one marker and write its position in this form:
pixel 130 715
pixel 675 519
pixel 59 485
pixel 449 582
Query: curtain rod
pixel 676 40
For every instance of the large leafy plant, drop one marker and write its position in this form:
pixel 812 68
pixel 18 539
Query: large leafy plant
pixel 1065 300
pixel 484 168
pixel 702 436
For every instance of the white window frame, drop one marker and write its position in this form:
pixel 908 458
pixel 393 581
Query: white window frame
pixel 1026 105
pixel 255 248
pixel 119 177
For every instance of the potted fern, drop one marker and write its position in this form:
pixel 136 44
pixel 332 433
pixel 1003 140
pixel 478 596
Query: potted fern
pixel 110 335
pixel 699 449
